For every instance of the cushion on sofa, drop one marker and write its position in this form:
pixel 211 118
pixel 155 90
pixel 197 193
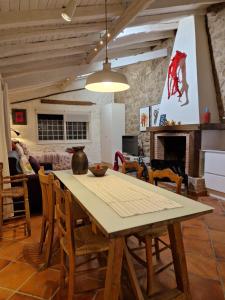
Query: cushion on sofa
pixel 26 166
pixel 19 150
pixel 34 164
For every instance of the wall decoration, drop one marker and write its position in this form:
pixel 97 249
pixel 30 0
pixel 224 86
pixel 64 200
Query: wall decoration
pixel 19 116
pixel 144 118
pixel 177 82
pixel 162 120
pixel 154 114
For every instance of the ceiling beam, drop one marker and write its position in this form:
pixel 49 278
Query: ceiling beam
pixel 16 19
pixel 165 4
pixel 43 91
pixel 12 50
pixel 40 56
pixel 141 37
pixel 33 34
pixel 165 17
pixel 49 62
pixel 46 64
pixel 56 74
pixel 127 17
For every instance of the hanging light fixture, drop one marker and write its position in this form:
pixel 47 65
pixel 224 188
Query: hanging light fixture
pixel 69 10
pixel 107 81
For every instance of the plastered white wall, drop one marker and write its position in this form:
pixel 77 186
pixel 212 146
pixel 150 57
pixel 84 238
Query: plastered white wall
pixel 92 147
pixel 191 38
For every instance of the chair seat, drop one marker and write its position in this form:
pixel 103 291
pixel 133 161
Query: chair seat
pixel 153 232
pixel 13 192
pixel 87 242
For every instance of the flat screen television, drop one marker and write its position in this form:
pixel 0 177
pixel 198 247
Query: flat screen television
pixel 130 144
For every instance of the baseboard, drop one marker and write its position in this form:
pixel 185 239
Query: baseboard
pixel 216 194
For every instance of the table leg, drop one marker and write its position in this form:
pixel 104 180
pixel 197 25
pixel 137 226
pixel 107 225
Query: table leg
pixel 132 275
pixel 114 267
pixel 179 260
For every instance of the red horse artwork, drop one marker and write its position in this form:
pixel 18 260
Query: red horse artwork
pixel 177 82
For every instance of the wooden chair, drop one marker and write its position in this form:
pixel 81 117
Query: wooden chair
pixel 73 242
pixel 132 167
pixel 20 193
pixel 154 234
pixel 48 213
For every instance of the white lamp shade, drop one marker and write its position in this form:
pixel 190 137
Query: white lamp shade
pixel 69 11
pixel 107 81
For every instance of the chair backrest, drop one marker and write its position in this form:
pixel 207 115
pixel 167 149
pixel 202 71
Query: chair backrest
pixel 48 199
pixel 65 219
pixel 166 173
pixel 132 166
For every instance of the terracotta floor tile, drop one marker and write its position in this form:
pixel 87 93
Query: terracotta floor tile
pixel 18 296
pixel 15 274
pixel 205 289
pixel 221 268
pixel 205 270
pixel 4 294
pixel 48 282
pixel 217 236
pixel 3 263
pixel 216 222
pixel 211 201
pixel 196 222
pixel 195 233
pixel 11 250
pixel 219 250
pixel 63 296
pixel 198 247
pixel 205 267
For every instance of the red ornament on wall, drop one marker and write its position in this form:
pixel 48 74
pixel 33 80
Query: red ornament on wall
pixel 177 83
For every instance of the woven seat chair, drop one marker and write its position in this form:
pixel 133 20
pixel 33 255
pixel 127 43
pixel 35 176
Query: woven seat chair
pixel 19 193
pixel 74 242
pixel 151 237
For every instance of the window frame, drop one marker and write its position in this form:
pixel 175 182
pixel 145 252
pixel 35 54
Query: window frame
pixel 64 114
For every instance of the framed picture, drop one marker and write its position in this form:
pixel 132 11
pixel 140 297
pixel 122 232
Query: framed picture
pixel 154 114
pixel 162 120
pixel 144 118
pixel 19 116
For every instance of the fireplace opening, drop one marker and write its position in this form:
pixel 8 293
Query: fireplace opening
pixel 175 148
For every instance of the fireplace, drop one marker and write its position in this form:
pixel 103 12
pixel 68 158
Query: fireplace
pixel 181 143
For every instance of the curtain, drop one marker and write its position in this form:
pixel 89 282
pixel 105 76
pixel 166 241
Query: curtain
pixel 5 141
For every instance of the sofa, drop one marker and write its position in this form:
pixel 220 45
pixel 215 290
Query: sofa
pixel 33 184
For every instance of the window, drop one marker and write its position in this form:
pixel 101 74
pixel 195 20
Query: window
pixel 60 127
pixel 76 130
pixel 50 127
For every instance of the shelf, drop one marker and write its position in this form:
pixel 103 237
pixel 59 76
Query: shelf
pixel 191 127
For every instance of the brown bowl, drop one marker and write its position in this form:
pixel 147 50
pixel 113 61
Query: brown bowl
pixel 98 172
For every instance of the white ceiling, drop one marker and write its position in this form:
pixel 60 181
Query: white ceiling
pixel 35 39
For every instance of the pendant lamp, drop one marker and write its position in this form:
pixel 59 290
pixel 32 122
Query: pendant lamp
pixel 69 11
pixel 106 81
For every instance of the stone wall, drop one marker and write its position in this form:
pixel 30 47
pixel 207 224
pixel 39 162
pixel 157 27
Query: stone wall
pixel 146 81
pixel 216 26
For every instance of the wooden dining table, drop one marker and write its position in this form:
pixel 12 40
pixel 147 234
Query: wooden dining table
pixel 116 228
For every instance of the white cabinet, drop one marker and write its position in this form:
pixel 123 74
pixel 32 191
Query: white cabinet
pixel 112 130
pixel 215 170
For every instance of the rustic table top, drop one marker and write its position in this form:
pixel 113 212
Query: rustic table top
pixel 112 224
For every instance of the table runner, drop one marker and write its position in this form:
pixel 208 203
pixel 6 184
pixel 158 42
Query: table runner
pixel 125 198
